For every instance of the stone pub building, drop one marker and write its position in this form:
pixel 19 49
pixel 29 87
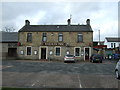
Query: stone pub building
pixel 55 41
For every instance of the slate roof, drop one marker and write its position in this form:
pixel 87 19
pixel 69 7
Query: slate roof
pixel 113 39
pixel 9 37
pixel 56 28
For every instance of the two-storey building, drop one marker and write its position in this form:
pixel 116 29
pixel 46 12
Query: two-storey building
pixel 55 41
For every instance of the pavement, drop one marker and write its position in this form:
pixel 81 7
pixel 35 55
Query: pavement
pixel 48 74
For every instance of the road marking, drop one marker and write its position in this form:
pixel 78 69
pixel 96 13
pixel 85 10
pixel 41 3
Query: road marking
pixel 35 83
pixel 3 67
pixel 79 82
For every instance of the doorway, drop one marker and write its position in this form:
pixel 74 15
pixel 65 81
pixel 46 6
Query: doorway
pixel 87 53
pixel 43 53
pixel 12 52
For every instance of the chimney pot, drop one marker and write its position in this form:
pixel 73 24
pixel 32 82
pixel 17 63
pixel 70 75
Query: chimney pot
pixel 27 22
pixel 88 21
pixel 69 22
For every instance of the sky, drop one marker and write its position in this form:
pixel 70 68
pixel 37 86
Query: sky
pixel 103 15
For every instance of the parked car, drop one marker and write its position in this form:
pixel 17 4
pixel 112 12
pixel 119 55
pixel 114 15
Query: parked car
pixel 117 70
pixel 96 58
pixel 91 57
pixel 116 56
pixel 69 58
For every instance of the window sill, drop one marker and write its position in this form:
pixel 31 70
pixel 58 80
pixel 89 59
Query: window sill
pixel 80 42
pixel 29 42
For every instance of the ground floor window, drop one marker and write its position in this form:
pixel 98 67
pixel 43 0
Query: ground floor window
pixel 57 51
pixel 77 51
pixel 29 50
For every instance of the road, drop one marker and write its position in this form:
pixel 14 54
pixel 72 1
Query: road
pixel 40 74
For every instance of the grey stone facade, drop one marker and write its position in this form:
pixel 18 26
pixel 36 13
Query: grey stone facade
pixel 49 48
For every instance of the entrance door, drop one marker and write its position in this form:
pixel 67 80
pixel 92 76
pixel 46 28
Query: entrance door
pixel 43 53
pixel 87 53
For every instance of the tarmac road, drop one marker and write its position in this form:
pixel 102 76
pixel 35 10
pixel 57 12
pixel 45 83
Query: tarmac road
pixel 37 74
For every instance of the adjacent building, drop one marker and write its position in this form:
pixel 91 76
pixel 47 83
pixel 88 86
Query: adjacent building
pixel 112 42
pixel 8 44
pixel 53 42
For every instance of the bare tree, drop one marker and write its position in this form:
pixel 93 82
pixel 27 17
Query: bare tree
pixel 8 29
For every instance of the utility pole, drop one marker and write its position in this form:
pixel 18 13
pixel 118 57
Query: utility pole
pixel 70 16
pixel 99 36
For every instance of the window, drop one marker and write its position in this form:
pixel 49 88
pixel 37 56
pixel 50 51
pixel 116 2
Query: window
pixel 111 45
pixel 114 45
pixel 60 37
pixel 44 37
pixel 77 52
pixel 29 51
pixel 80 38
pixel 29 37
pixel 57 51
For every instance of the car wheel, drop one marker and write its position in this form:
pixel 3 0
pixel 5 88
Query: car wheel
pixel 100 61
pixel 117 74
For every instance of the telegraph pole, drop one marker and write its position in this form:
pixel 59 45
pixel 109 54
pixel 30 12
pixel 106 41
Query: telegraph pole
pixel 99 36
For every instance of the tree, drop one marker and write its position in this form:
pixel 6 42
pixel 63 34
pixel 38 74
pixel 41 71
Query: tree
pixel 8 29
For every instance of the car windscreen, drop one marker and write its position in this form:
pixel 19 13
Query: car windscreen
pixel 98 56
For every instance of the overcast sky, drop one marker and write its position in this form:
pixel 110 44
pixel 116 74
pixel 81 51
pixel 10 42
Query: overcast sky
pixel 103 15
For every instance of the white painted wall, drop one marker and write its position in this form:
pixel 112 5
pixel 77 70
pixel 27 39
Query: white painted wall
pixel 109 44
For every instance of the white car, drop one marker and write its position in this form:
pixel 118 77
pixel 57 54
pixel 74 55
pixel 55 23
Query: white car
pixel 117 70
pixel 70 58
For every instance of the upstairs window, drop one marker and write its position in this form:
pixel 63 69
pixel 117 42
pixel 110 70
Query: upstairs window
pixel 29 37
pixel 80 38
pixel 60 37
pixel 44 37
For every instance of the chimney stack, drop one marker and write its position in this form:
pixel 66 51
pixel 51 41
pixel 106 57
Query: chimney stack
pixel 88 21
pixel 27 22
pixel 69 22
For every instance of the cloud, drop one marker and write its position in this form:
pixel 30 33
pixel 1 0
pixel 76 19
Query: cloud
pixel 103 15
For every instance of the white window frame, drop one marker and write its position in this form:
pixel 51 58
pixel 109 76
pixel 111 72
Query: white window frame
pixel 79 52
pixel 55 51
pixel 26 50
